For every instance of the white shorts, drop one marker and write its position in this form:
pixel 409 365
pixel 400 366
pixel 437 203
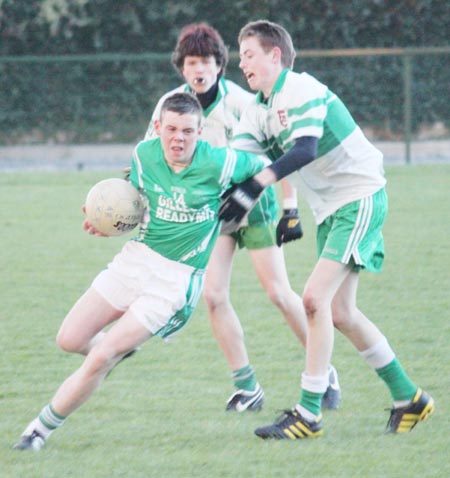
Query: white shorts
pixel 161 293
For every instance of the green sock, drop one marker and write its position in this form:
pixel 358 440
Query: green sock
pixel 399 384
pixel 244 378
pixel 311 401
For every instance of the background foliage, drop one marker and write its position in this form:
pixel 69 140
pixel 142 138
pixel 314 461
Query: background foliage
pixel 90 99
pixel 94 26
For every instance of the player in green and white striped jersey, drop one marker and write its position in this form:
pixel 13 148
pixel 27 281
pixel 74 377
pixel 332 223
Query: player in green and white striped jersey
pixel 201 57
pixel 152 285
pixel 300 106
pixel 308 131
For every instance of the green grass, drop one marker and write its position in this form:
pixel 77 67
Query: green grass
pixel 161 414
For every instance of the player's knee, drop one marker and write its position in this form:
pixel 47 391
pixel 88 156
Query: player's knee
pixel 277 295
pixel 340 317
pixel 100 360
pixel 63 342
pixel 311 303
pixel 344 316
pixel 214 297
pixel 68 343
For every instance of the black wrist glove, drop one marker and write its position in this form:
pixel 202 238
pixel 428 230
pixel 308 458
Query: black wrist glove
pixel 289 227
pixel 237 202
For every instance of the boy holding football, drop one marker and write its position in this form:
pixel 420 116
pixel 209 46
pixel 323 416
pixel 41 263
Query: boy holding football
pixel 153 284
pixel 340 173
pixel 201 57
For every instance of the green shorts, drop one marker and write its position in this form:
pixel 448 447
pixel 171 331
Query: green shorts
pixel 352 235
pixel 256 236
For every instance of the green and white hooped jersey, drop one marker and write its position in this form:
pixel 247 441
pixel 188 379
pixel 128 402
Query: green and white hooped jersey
pixel 220 121
pixel 181 223
pixel 347 167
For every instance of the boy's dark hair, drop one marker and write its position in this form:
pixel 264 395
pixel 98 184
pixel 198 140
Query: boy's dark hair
pixel 200 39
pixel 182 103
pixel 271 35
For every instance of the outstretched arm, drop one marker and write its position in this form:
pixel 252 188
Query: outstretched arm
pixel 242 198
pixel 302 153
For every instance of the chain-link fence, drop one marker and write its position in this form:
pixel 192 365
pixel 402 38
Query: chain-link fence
pixel 397 95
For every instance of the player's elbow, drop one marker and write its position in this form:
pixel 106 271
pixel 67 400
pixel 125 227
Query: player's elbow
pixel 306 148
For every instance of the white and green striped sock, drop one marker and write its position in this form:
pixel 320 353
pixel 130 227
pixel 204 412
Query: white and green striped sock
pixel 47 421
pixel 245 378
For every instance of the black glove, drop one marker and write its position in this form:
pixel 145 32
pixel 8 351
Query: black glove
pixel 239 200
pixel 289 227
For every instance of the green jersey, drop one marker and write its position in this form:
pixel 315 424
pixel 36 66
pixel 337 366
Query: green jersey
pixel 181 223
pixel 347 167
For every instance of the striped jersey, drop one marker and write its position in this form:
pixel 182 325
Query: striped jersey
pixel 220 121
pixel 181 223
pixel 347 167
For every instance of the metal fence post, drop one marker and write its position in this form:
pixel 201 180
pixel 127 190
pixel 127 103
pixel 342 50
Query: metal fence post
pixel 407 107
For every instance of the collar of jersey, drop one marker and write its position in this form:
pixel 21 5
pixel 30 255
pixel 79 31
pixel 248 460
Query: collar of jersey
pixel 276 89
pixel 222 91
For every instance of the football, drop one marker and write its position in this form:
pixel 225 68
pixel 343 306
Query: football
pixel 114 207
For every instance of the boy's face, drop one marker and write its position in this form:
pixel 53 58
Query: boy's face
pixel 179 134
pixel 200 72
pixel 260 68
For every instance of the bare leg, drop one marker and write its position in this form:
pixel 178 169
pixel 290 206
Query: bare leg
pixel 89 315
pixel 349 320
pixel 224 321
pixel 320 289
pixel 270 267
pixel 83 326
pixel 123 336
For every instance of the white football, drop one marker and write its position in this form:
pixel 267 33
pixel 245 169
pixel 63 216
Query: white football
pixel 114 207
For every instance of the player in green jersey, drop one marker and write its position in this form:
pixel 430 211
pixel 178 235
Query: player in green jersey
pixel 152 285
pixel 305 127
pixel 201 57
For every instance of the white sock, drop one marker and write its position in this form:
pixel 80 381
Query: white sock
pixel 37 425
pixel 379 355
pixel 315 384
pixel 306 414
pixel 401 403
pixel 45 423
pixel 332 370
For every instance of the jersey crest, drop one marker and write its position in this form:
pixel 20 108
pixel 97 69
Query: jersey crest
pixel 282 116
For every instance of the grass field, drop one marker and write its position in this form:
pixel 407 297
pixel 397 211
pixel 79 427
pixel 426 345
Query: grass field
pixel 161 414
